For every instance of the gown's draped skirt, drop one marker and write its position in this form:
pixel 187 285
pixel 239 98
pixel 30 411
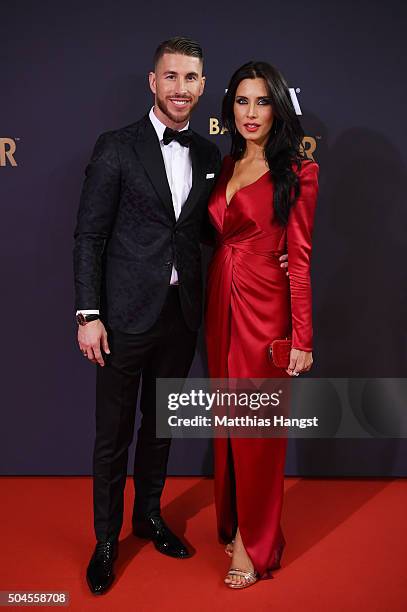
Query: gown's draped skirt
pixel 249 472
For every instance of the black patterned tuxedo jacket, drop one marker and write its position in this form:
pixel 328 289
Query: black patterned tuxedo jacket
pixel 127 238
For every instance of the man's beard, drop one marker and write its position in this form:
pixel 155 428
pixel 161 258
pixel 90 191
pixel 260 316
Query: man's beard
pixel 161 103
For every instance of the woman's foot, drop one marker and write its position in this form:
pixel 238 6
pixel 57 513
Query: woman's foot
pixel 229 548
pixel 241 564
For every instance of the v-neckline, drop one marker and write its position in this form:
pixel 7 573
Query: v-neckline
pixel 241 188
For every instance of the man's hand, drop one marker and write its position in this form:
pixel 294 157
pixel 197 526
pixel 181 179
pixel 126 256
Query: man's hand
pixel 284 262
pixel 300 361
pixel 91 338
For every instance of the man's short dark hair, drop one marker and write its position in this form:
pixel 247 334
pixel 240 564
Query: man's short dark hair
pixel 178 44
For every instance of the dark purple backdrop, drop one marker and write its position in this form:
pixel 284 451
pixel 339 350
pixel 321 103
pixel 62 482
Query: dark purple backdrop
pixel 72 70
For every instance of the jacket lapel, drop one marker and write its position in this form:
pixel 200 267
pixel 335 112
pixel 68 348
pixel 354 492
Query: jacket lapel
pixel 198 180
pixel 148 150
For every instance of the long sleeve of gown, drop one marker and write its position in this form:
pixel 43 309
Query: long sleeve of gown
pixel 299 245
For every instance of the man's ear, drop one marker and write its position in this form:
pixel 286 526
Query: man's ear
pixel 202 87
pixel 152 81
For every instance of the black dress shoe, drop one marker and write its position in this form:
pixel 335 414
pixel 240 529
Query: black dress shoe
pixel 164 540
pixel 100 569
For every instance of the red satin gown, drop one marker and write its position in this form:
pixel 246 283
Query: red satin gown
pixel 250 302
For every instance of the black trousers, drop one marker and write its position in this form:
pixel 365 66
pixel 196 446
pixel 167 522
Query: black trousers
pixel 166 350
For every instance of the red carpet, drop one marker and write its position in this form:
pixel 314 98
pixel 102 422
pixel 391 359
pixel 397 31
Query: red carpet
pixel 346 548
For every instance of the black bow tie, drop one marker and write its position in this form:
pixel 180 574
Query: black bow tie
pixel 184 137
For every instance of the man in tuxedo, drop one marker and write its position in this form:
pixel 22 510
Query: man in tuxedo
pixel 137 264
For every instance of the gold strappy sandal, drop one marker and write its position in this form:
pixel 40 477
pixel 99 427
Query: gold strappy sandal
pixel 249 578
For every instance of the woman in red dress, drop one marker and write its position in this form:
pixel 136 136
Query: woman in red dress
pixel 262 207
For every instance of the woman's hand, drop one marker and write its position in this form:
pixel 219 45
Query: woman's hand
pixel 284 263
pixel 300 361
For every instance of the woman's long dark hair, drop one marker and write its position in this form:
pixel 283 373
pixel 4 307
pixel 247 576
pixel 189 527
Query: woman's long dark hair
pixel 284 145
